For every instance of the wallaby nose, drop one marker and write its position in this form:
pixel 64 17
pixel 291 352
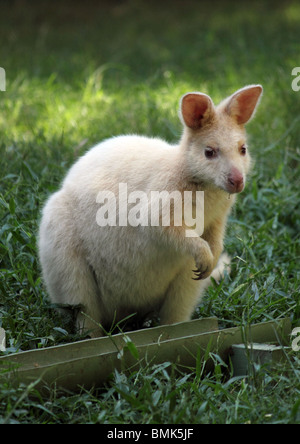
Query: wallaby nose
pixel 235 182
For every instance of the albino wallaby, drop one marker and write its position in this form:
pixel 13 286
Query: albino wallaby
pixel 119 269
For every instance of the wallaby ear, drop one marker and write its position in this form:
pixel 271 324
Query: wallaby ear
pixel 242 104
pixel 196 109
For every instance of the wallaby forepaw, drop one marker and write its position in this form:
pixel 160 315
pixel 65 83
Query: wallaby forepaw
pixel 199 274
pixel 204 262
pixel 202 273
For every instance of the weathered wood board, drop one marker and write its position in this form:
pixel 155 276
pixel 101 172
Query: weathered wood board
pixel 91 362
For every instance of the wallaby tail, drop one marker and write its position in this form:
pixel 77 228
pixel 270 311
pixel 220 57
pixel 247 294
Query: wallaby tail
pixel 218 273
pixel 222 265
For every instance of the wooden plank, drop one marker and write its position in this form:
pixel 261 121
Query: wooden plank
pixel 91 362
pixel 110 344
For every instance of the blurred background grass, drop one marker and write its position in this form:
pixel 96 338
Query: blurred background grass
pixel 97 68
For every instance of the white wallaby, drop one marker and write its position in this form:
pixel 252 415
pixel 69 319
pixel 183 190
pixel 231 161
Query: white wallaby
pixel 115 270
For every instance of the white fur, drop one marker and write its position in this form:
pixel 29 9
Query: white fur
pixel 115 271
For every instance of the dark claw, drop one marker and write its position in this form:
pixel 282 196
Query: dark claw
pixel 199 274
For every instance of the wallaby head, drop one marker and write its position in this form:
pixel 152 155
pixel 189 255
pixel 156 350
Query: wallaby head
pixel 214 139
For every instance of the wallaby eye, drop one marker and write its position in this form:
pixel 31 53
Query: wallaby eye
pixel 210 152
pixel 243 150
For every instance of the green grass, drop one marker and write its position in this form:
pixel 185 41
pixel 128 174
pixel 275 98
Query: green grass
pixel 78 72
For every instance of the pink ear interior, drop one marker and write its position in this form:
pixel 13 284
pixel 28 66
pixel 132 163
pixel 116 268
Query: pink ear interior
pixel 196 109
pixel 243 103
